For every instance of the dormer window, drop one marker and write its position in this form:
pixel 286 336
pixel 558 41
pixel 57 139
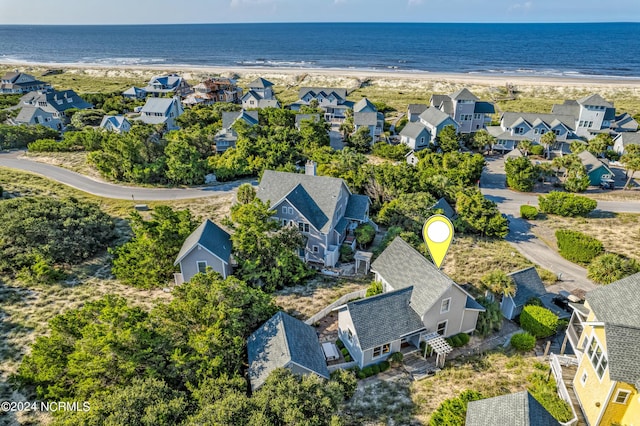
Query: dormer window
pixel 445 306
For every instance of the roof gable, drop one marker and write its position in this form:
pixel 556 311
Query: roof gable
pixel 595 100
pixel 260 83
pixel 414 129
pixel 434 116
pixel 158 105
pixel 364 105
pixel 210 236
pixel 463 95
pixel 590 162
pixel 528 285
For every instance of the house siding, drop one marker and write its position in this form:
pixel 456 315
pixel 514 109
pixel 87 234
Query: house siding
pixel 469 321
pixel 314 237
pixel 509 308
pixel 368 354
pixel 615 412
pixel 455 315
pixel 345 323
pixel 595 177
pixel 189 264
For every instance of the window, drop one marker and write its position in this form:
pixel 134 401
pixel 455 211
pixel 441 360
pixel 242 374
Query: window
pixel 557 132
pixel 381 350
pixel 422 140
pixel 583 378
pixel 441 328
pixel 622 396
pixel 304 227
pixel 477 116
pixel 518 130
pixel 465 117
pixel 287 210
pixel 316 249
pixel 349 335
pixel 446 304
pixel 202 266
pixel 536 131
pixel 597 357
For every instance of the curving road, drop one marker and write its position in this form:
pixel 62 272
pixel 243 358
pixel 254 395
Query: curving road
pixel 110 190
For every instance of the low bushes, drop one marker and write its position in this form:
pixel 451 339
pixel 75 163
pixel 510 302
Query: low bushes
pixel 372 370
pixel 524 342
pixel 565 204
pixel 537 150
pixel 611 267
pixel 578 247
pixel 374 288
pixel 453 411
pixel 458 340
pixel 528 212
pixel 538 321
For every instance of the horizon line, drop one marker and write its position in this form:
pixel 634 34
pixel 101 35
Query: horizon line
pixel 322 22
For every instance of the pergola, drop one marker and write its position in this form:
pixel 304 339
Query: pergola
pixel 363 256
pixel 438 345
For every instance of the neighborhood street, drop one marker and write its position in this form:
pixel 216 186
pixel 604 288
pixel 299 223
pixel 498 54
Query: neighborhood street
pixel 110 190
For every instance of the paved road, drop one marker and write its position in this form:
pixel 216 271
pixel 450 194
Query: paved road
pixel 109 190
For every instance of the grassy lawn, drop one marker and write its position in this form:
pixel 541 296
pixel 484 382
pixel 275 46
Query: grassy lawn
pixel 470 258
pixel 619 232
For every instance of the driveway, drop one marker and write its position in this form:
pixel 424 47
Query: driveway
pixel 110 190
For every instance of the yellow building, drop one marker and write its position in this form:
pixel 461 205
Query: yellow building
pixel 605 335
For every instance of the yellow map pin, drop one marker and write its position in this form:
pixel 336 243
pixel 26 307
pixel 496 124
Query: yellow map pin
pixel 438 234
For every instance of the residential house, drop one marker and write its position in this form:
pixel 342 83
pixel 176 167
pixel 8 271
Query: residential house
pixel 161 111
pixel 284 342
pixel 411 158
pixel 365 114
pixel 434 120
pixel 19 82
pixel 446 209
pixel 419 303
pixel 323 208
pixel 604 334
pixel 214 90
pixel 209 246
pixel 624 139
pixel 414 111
pixel 420 134
pixel 48 107
pixel 171 84
pixel 227 136
pixel 517 126
pixel 115 123
pixel 624 123
pixel 260 95
pixel 466 109
pixel 333 101
pixel 528 285
pixel 34 115
pixel 596 169
pixel 515 409
pixel 135 93
pixel 591 114
pixel 415 135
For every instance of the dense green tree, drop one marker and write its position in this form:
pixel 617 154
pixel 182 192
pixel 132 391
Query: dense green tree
pixel 577 147
pixel 481 215
pixel 577 179
pixel 564 204
pixel 391 152
pixel 314 134
pixel 54 231
pixel 482 141
pixel 598 145
pixel 521 174
pixel 277 117
pixel 365 233
pixel 184 163
pixel 87 117
pixel 147 260
pixel 408 211
pixel 266 252
pixel 525 146
pixel 631 161
pixel 21 136
pixel 448 139
pixel 360 140
pixel 246 193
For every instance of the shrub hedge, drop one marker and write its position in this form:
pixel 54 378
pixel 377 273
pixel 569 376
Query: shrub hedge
pixel 524 342
pixel 538 321
pixel 537 150
pixel 528 212
pixel 578 247
pixel 458 340
pixel 565 204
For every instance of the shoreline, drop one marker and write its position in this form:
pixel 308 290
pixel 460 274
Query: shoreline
pixel 449 77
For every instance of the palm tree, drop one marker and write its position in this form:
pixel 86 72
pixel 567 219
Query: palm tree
pixel 498 283
pixel 525 146
pixel 631 161
pixel 547 140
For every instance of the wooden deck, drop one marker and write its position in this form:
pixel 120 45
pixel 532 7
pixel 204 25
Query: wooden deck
pixel 419 367
pixel 568 373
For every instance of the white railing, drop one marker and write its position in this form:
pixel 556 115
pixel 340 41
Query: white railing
pixel 341 301
pixel 556 363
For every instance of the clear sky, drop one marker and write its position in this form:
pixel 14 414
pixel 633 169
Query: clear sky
pixel 218 11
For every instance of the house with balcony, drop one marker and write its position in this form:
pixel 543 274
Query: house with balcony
pixel 48 107
pixel 365 114
pixel 333 101
pixel 419 303
pixel 19 82
pixel 163 111
pixel 518 126
pixel 464 108
pixel 209 246
pixel 164 85
pixel 604 333
pixel 260 95
pixel 591 114
pixel 321 207
pixel 212 90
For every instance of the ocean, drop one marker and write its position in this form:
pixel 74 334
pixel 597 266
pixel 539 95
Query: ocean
pixel 575 50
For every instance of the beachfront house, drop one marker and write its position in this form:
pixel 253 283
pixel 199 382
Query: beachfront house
pixel 465 108
pixel 419 303
pixel 518 126
pixel 168 85
pixel 596 169
pixel 209 246
pixel 591 114
pixel 515 409
pixel 365 114
pixel 134 93
pixel 214 90
pixel 115 123
pixel 19 82
pixel 161 111
pixel 333 101
pixel 604 333
pixel 260 95
pixel 284 342
pixel 227 136
pixel 322 208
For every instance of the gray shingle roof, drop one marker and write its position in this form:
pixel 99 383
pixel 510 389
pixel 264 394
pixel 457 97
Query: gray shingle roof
pixel 464 95
pixel 402 266
pixel 446 208
pixel 158 105
pixel 210 236
pixel 340 92
pixel 484 108
pixel 511 118
pixel 26 114
pixel 384 318
pixel 268 103
pixel 230 117
pixel 279 341
pixel 417 108
pixel 595 100
pixel 627 138
pixel 413 129
pixel 357 207
pixel 116 120
pixel 365 118
pixel 364 103
pixel 302 117
pixel 569 107
pixel 260 83
pixel 316 196
pixel 590 162
pixel 528 285
pixel 625 123
pixel 434 116
pixel 618 306
pixel 516 409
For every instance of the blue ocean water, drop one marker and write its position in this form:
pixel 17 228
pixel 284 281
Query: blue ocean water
pixel 589 49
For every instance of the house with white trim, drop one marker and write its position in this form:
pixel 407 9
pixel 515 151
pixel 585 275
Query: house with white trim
pixel 209 246
pixel 466 109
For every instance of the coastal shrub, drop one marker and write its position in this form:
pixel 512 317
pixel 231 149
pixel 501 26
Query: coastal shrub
pixel 523 342
pixel 521 174
pixel 347 381
pixel 544 389
pixel 453 411
pixel 52 145
pixel 565 204
pixel 347 358
pixel 374 288
pixel 537 150
pixel 346 254
pixel 396 357
pixel 578 247
pixel 610 267
pixel 391 152
pixel 339 344
pixel 458 340
pixel 528 212
pixel 491 319
pixel 21 136
pixel 344 351
pixel 384 366
pixel 365 234
pixel 375 369
pixel 538 321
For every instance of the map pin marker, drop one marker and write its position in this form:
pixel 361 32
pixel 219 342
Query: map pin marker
pixel 438 234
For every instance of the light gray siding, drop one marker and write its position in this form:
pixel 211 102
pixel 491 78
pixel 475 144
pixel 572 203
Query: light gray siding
pixel 287 215
pixel 189 264
pixel 508 308
pixel 454 316
pixel 351 343
pixel 368 359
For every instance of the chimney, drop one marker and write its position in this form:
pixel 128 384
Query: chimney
pixel 310 168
